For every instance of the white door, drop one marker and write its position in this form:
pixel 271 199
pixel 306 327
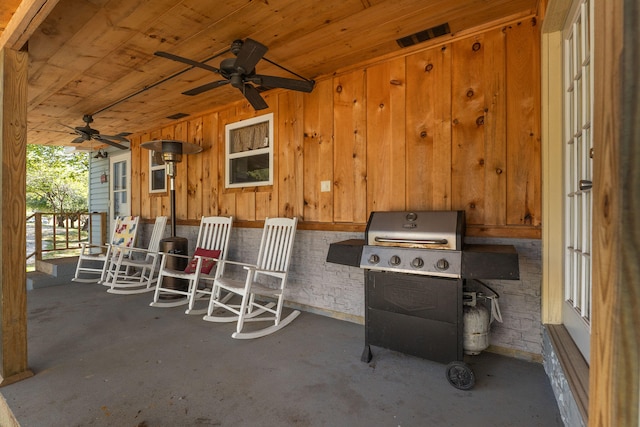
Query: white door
pixel 578 95
pixel 120 193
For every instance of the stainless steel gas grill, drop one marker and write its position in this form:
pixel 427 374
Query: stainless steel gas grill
pixel 419 313
pixel 415 264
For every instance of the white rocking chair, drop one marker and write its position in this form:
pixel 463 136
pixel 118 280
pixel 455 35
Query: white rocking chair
pixel 211 247
pixel 131 275
pixel 273 265
pixel 94 262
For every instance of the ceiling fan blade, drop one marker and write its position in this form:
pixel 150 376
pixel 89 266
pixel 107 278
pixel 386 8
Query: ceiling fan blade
pixel 67 126
pixel 200 89
pixel 187 61
pixel 118 137
pixel 249 55
pixel 104 139
pixel 55 130
pixel 254 98
pixel 78 140
pixel 75 130
pixel 282 82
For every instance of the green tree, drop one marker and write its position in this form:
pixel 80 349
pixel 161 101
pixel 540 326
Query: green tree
pixel 56 181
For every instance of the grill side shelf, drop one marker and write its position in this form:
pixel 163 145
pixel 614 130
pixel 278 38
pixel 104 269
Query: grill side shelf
pixel 490 262
pixel 346 252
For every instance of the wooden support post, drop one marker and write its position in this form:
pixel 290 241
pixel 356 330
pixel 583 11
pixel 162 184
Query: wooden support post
pixel 614 380
pixel 13 244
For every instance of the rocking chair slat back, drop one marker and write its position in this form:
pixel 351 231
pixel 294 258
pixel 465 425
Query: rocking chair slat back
pixel 275 248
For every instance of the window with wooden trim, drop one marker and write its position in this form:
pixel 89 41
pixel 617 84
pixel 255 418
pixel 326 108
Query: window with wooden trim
pixel 249 152
pixel 157 173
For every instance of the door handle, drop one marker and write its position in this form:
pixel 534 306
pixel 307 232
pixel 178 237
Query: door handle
pixel 585 185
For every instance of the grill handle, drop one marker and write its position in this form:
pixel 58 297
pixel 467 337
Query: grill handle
pixel 412 241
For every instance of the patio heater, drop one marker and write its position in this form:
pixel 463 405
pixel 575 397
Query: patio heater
pixel 170 152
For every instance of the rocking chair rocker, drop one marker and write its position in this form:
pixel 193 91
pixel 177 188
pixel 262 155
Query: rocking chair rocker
pixel 131 275
pixel 90 261
pixel 211 247
pixel 272 266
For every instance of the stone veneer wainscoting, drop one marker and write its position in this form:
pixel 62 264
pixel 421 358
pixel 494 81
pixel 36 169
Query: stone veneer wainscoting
pixel 338 291
pixel 564 396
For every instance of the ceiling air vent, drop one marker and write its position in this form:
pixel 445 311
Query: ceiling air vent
pixel 177 116
pixel 424 35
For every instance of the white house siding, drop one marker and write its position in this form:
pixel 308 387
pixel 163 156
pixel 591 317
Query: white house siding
pixel 98 193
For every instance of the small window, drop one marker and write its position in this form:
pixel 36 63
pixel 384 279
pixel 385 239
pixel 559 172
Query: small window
pixel 249 152
pixel 157 173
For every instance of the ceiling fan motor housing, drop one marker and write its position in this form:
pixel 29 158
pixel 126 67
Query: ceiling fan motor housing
pixel 236 45
pixel 236 81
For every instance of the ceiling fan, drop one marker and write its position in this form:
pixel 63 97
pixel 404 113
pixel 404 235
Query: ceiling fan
pixel 240 73
pixel 87 133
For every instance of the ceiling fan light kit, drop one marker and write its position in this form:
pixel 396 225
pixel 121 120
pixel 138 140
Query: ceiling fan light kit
pixel 101 154
pixel 241 74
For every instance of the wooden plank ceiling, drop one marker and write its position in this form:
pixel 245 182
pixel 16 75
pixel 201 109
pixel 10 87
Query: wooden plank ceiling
pixel 97 56
pixel 7 8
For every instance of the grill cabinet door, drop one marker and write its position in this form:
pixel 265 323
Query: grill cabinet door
pixel 414 314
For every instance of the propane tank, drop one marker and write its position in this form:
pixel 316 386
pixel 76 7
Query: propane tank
pixel 476 327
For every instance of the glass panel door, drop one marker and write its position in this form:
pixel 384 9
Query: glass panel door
pixel 578 89
pixel 120 195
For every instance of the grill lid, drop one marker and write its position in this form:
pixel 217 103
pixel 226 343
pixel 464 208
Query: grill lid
pixel 418 229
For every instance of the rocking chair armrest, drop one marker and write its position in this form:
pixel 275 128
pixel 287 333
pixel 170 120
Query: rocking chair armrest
pixel 141 250
pixel 120 249
pixel 86 247
pixel 168 254
pixel 132 253
pixel 174 255
pixel 207 257
pixel 188 257
pixel 92 245
pixel 273 273
pixel 244 264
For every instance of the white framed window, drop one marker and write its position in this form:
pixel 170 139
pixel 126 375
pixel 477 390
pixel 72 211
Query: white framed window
pixel 578 150
pixel 157 173
pixel 249 152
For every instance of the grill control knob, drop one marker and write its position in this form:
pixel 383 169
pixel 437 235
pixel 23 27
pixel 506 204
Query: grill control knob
pixel 417 263
pixel 442 264
pixel 394 260
pixel 374 259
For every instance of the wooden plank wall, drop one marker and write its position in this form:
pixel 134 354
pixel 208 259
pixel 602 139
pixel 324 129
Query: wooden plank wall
pixel 453 126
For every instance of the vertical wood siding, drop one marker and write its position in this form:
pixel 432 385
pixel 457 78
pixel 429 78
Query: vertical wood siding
pixel 428 131
pixel 350 148
pixel 453 126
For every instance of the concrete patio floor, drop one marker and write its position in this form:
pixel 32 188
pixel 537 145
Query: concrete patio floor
pixel 111 360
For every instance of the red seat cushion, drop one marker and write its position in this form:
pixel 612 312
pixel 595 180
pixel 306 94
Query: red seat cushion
pixel 207 263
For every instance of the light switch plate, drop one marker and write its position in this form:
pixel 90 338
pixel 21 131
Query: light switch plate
pixel 325 186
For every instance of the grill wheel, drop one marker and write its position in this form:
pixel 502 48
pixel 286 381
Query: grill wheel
pixel 460 375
